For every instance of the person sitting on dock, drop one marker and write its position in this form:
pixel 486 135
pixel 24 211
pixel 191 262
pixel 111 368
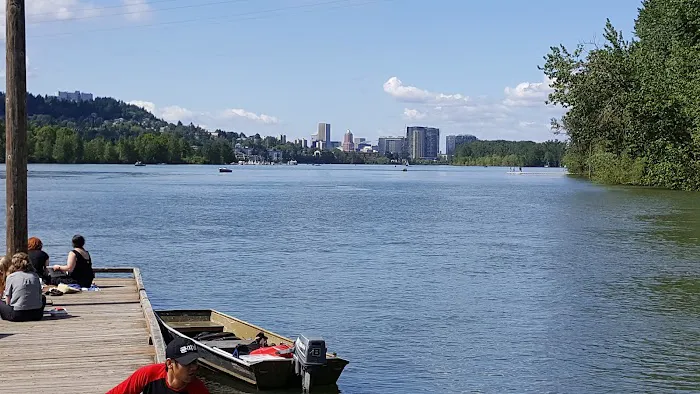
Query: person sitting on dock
pixel 78 268
pixel 22 295
pixel 4 266
pixel 39 259
pixel 177 375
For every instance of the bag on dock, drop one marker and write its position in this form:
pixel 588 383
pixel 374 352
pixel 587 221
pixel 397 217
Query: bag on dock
pixel 56 312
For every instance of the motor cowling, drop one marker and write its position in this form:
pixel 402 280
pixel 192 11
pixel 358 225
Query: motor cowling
pixel 309 352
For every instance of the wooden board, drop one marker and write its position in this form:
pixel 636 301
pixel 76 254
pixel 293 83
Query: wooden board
pixel 107 336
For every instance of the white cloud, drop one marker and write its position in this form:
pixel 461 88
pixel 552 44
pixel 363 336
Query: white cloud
pixel 412 94
pixel 528 94
pixel 520 114
pixel 38 10
pixel 174 113
pixel 226 119
pixel 413 114
pixel 241 113
pixel 136 9
pixel 44 10
pixel 147 105
pixel 525 124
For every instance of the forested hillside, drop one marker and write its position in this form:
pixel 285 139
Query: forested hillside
pixel 111 131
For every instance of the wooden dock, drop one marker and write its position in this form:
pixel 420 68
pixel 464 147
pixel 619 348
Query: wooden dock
pixel 107 336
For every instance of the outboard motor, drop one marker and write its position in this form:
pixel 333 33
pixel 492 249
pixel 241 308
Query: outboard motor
pixel 309 355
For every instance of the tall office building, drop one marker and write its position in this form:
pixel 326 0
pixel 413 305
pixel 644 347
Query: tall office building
pixel 348 143
pixel 423 142
pixel 393 145
pixel 324 135
pixel 453 141
pixel 431 148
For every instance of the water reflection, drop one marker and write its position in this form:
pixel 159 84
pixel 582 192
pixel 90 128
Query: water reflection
pixel 676 296
pixel 222 384
pixel 677 218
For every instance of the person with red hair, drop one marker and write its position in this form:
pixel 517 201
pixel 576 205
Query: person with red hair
pixel 38 258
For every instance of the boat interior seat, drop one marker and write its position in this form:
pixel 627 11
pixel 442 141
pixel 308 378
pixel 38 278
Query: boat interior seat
pixel 195 327
pixel 226 344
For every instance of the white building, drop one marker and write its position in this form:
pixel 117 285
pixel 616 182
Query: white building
pixel 75 96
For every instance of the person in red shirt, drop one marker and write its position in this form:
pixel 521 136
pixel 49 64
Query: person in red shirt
pixel 175 376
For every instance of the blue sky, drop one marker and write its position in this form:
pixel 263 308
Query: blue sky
pixel 281 66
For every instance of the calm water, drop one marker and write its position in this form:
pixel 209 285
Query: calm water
pixel 438 279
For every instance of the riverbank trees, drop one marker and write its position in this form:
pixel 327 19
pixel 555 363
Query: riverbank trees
pixel 633 106
pixel 510 153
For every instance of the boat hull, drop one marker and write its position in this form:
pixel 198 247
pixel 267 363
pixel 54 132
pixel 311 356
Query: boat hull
pixel 268 374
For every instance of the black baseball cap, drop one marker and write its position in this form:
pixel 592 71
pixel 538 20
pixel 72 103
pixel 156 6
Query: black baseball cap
pixel 182 350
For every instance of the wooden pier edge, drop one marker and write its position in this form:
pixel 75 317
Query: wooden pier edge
pixel 156 338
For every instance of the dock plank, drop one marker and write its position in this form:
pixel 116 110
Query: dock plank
pixel 108 333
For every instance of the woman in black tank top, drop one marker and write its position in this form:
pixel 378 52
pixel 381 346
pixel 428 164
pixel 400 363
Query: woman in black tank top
pixel 79 269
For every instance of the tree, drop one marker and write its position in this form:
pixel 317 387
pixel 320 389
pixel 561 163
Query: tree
pixel 94 150
pixel 633 107
pixel 64 149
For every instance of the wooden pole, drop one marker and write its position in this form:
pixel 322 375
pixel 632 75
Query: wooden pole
pixel 16 128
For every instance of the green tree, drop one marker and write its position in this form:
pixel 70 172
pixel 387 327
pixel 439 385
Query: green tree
pixel 110 153
pixel 94 150
pixel 64 150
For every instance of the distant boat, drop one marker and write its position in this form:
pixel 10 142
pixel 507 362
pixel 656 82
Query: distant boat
pixel 292 162
pixel 224 169
pixel 139 164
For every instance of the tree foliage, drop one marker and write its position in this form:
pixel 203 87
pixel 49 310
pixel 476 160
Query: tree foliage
pixel 510 153
pixel 634 105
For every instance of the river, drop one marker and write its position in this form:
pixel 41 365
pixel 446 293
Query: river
pixel 435 280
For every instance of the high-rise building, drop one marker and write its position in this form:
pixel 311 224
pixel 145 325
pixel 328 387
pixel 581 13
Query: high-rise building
pixel 423 142
pixel 393 145
pixel 324 135
pixel 431 148
pixel 283 139
pixel 359 140
pixel 453 141
pixel 348 143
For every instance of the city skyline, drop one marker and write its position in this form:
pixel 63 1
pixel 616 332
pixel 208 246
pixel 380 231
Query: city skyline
pixel 271 80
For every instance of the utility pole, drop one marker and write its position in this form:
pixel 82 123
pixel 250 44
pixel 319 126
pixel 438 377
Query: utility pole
pixel 15 128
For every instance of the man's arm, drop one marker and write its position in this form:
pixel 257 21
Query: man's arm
pixel 135 383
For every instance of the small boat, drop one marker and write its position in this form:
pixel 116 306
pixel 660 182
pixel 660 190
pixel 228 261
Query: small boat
pixel 139 164
pixel 224 169
pixel 292 162
pixel 228 345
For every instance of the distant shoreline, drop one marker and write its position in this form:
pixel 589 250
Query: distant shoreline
pixel 294 165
